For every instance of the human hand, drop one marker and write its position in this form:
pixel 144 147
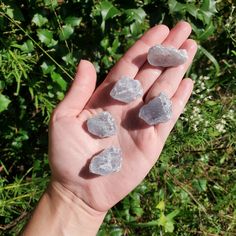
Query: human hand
pixel 76 201
pixel 72 147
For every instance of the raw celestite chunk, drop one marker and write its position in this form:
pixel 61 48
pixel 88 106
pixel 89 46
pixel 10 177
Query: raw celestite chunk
pixel 102 125
pixel 127 90
pixel 106 162
pixel 166 56
pixel 158 110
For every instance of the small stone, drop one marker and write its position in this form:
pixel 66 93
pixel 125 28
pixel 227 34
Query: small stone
pixel 166 56
pixel 102 125
pixel 106 162
pixel 127 90
pixel 158 110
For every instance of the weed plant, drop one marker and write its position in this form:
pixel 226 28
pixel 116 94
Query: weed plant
pixel 192 188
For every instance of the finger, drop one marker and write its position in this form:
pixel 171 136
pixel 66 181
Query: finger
pixel 169 80
pixel 136 56
pixel 128 65
pixel 179 101
pixel 177 36
pixel 80 91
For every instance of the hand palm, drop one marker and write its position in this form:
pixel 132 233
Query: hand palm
pixel 72 147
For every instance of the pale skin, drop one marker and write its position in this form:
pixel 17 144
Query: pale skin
pixel 77 201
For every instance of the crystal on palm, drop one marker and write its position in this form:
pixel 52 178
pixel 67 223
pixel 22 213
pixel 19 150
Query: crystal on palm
pixel 106 162
pixel 127 90
pixel 166 56
pixel 158 110
pixel 102 125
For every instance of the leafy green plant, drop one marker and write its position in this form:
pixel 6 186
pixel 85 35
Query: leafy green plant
pixel 4 102
pixel 191 190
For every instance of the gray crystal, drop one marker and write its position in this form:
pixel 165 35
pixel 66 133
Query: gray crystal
pixel 106 162
pixel 158 110
pixel 102 125
pixel 127 90
pixel 166 56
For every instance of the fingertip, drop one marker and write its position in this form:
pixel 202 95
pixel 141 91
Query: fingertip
pixel 83 64
pixel 178 34
pixel 80 91
pixel 192 42
pixel 86 71
pixel 163 28
pixel 190 45
pixel 188 80
pixel 187 84
pixel 159 28
pixel 184 25
pixel 155 35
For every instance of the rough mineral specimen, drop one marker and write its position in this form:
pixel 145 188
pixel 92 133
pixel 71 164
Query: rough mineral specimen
pixel 126 90
pixel 102 125
pixel 166 56
pixel 158 110
pixel 106 162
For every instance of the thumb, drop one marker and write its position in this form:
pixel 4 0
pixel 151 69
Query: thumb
pixel 81 90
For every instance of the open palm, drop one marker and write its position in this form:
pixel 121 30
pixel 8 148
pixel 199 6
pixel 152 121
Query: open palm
pixel 72 147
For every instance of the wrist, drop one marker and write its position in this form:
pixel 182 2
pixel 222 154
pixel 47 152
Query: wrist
pixel 83 218
pixel 60 212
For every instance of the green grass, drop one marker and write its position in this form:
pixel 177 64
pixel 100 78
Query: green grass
pixel 192 189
